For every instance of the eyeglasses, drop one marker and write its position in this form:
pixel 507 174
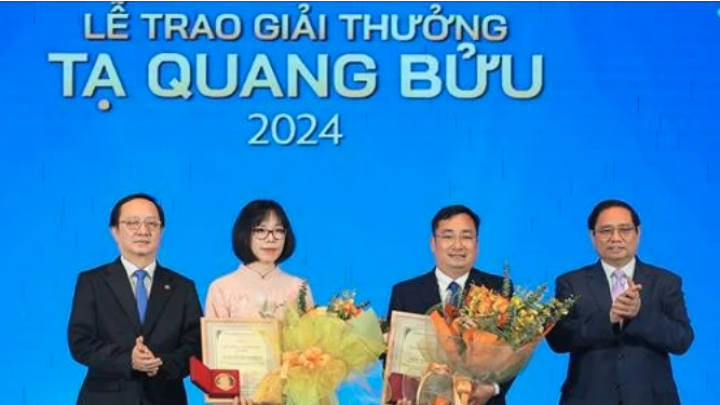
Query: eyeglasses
pixel 152 225
pixel 262 233
pixel 625 232
pixel 449 238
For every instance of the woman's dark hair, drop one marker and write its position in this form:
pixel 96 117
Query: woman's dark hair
pixel 250 217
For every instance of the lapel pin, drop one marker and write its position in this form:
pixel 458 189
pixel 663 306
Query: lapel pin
pixel 167 286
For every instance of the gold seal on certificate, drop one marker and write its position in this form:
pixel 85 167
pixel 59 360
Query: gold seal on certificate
pixel 250 346
pixel 410 336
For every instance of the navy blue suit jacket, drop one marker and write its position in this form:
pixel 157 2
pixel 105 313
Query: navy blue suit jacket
pixel 104 324
pixel 609 364
pixel 421 293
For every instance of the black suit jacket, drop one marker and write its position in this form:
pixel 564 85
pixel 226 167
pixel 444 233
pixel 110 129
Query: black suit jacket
pixel 421 293
pixel 104 324
pixel 609 364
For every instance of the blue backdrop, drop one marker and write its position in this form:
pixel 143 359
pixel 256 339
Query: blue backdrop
pixel 629 109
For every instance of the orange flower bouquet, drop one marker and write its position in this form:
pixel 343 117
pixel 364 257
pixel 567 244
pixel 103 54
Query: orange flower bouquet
pixel 489 338
pixel 322 347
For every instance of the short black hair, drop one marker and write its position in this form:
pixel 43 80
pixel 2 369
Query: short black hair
pixel 115 213
pixel 251 216
pixel 606 204
pixel 451 211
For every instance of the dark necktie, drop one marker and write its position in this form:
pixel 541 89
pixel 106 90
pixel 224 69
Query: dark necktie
pixel 454 294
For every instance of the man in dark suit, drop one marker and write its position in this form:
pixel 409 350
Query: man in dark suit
pixel 135 323
pixel 454 243
pixel 629 317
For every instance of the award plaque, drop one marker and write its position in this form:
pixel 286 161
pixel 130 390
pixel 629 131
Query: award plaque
pixel 250 347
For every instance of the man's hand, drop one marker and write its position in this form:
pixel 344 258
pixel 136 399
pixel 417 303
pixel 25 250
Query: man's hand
pixel 481 393
pixel 627 305
pixel 143 360
pixel 614 316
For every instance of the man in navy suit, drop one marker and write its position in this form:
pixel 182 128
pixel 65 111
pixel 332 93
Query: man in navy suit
pixel 630 316
pixel 135 323
pixel 454 243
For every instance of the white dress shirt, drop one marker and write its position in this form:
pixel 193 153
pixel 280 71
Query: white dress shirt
pixel 628 269
pixel 444 282
pixel 130 269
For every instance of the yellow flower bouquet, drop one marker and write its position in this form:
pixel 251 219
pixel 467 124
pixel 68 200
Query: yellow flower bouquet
pixel 489 338
pixel 322 347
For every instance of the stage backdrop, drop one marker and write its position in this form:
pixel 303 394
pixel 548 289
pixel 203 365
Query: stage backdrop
pixel 362 119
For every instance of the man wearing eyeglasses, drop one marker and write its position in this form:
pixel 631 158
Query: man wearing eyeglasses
pixel 455 245
pixel 629 318
pixel 134 323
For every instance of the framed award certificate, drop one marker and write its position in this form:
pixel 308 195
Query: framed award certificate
pixel 250 346
pixel 410 334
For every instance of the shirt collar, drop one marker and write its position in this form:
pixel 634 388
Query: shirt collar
pixel 444 280
pixel 248 272
pixel 628 269
pixel 130 268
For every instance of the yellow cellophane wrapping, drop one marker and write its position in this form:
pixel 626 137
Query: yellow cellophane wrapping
pixel 320 352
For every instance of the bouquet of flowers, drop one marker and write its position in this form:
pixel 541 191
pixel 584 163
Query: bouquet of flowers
pixel 322 347
pixel 489 338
